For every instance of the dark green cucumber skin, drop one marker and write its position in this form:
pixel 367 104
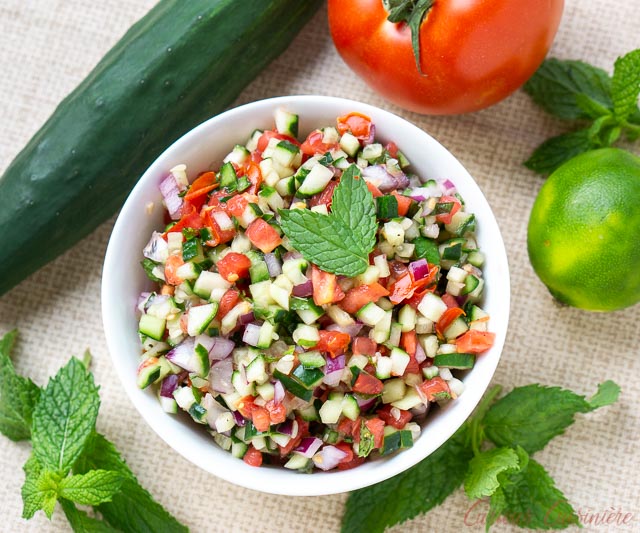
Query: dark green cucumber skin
pixel 182 63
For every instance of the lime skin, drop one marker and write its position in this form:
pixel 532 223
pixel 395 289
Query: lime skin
pixel 583 236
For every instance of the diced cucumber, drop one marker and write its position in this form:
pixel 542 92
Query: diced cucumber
pixel 399 361
pixel 359 361
pixel 297 462
pixel 200 317
pixel 306 336
pixel 461 223
pixel 242 386
pixel 266 390
pixel 432 307
pixel 294 270
pixel 169 405
pixel 188 271
pixel 308 311
pixel 476 313
pixel 380 332
pixel 394 335
pixel 369 276
pixel 457 274
pixel 383 367
pixel 293 385
pixel 330 135
pixel 285 153
pixel 455 329
pixel 265 338
pixel 150 371
pixel 371 314
pixel 476 258
pixel 238 155
pixel 228 177
pixel 269 173
pixel 230 320
pixel 261 294
pixel 460 361
pixel 330 411
pixel 273 199
pixel 393 390
pixel 350 407
pixel 192 251
pixel 238 449
pixel 207 282
pixel 286 186
pixel 396 440
pixel 312 359
pixel 286 122
pixel 257 371
pixel 350 144
pixel 410 400
pixel 309 377
pixel 280 295
pixel 317 179
pixel 402 160
pixel 372 152
pixel 471 283
pixel 259 272
pixel 407 318
pixel 386 207
pixel 309 413
pixel 475 294
pixel 152 326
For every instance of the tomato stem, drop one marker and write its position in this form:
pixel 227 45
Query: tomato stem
pixel 413 13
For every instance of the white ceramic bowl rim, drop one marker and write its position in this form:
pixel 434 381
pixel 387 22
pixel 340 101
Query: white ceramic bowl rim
pixel 123 280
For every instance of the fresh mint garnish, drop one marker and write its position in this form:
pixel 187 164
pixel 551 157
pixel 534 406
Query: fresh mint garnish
pixel 339 242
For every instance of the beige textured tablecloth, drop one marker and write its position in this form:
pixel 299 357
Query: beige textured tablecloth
pixel 48 46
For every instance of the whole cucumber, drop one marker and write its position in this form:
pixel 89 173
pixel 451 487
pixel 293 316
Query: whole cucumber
pixel 182 63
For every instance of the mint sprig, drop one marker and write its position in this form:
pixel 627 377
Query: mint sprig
pixel 606 106
pixel 71 463
pixel 489 455
pixel 339 242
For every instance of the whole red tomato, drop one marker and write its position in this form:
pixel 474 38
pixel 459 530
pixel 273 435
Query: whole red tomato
pixel 473 53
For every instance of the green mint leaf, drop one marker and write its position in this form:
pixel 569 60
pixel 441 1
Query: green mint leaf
pixel 40 489
pixel 64 417
pixel 625 85
pixel 413 492
pixel 556 83
pixel 132 509
pixel 366 444
pixel 557 150
pixel 497 505
pixel 93 488
pixel 18 395
pixel 353 205
pixel 590 107
pixel 531 416
pixel 531 500
pixel 608 393
pixel 81 522
pixel 325 241
pixel 482 478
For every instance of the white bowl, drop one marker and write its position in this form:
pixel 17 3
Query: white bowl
pixel 123 280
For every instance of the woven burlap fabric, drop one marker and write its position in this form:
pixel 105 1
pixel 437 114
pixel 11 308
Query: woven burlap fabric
pixel 48 46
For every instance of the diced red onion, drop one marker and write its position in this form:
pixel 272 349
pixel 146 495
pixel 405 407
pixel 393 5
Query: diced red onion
pixel 220 376
pixel 461 299
pixel 205 341
pixel 448 186
pixel 329 457
pixel 239 419
pixel 379 176
pixel 142 301
pixel 170 190
pixel 221 348
pixel 365 403
pixel 278 392
pixel 351 329
pixel 289 427
pixel 304 290
pixel 223 220
pixel 308 447
pixel 245 319
pixel 251 334
pixel 372 135
pixel 336 363
pixel 333 378
pixel 182 355
pixel 169 384
pixel 292 255
pixel 157 248
pixel 419 269
pixel 421 356
pixel 273 264
pixel 420 409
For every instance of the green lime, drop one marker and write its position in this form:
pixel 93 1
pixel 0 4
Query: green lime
pixel 584 231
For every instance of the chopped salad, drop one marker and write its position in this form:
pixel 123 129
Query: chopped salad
pixel 286 363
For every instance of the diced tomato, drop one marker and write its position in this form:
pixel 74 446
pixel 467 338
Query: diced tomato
pixel 264 139
pixel 227 303
pixel 398 269
pixel 199 189
pixel 392 148
pixel 404 203
pixel 359 296
pixel 218 235
pixel 404 417
pixel 475 341
pixel 325 197
pixel 449 300
pixel 447 319
pixel 171 266
pixel 254 174
pixel 303 431
pixel 214 200
pixel 263 236
pixel 435 389
pixel 347 425
pixel 358 124
pixel 189 220
pixel 277 412
pixel 375 192
pixel 401 289
pixel 261 418
pixel 253 457
pixel 363 346
pixel 445 218
pixel 355 461
pixel 408 342
pixel 313 144
pixel 346 448
pixel 237 205
pixel 333 342
pixel 234 266
pixel 367 384
pixel 325 287
pixel 246 405
pixel 376 426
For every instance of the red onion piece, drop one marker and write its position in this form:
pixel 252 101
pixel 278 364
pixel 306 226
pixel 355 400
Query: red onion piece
pixel 329 457
pixel 169 384
pixel 379 176
pixel 421 356
pixel 239 419
pixel 243 320
pixel 278 394
pixel 365 403
pixel 205 341
pixel 222 348
pixel 142 301
pixel 251 334
pixel 333 378
pixel 289 427
pixel 304 290
pixel 351 329
pixel 372 135
pixel 449 186
pixel 419 269
pixel 308 447
pixel 220 376
pixel 183 355
pixel 157 248
pixel 337 363
pixel 461 299
pixel 292 255
pixel 170 190
pixel 273 264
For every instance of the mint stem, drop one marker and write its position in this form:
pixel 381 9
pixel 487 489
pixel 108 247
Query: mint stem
pixel 475 422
